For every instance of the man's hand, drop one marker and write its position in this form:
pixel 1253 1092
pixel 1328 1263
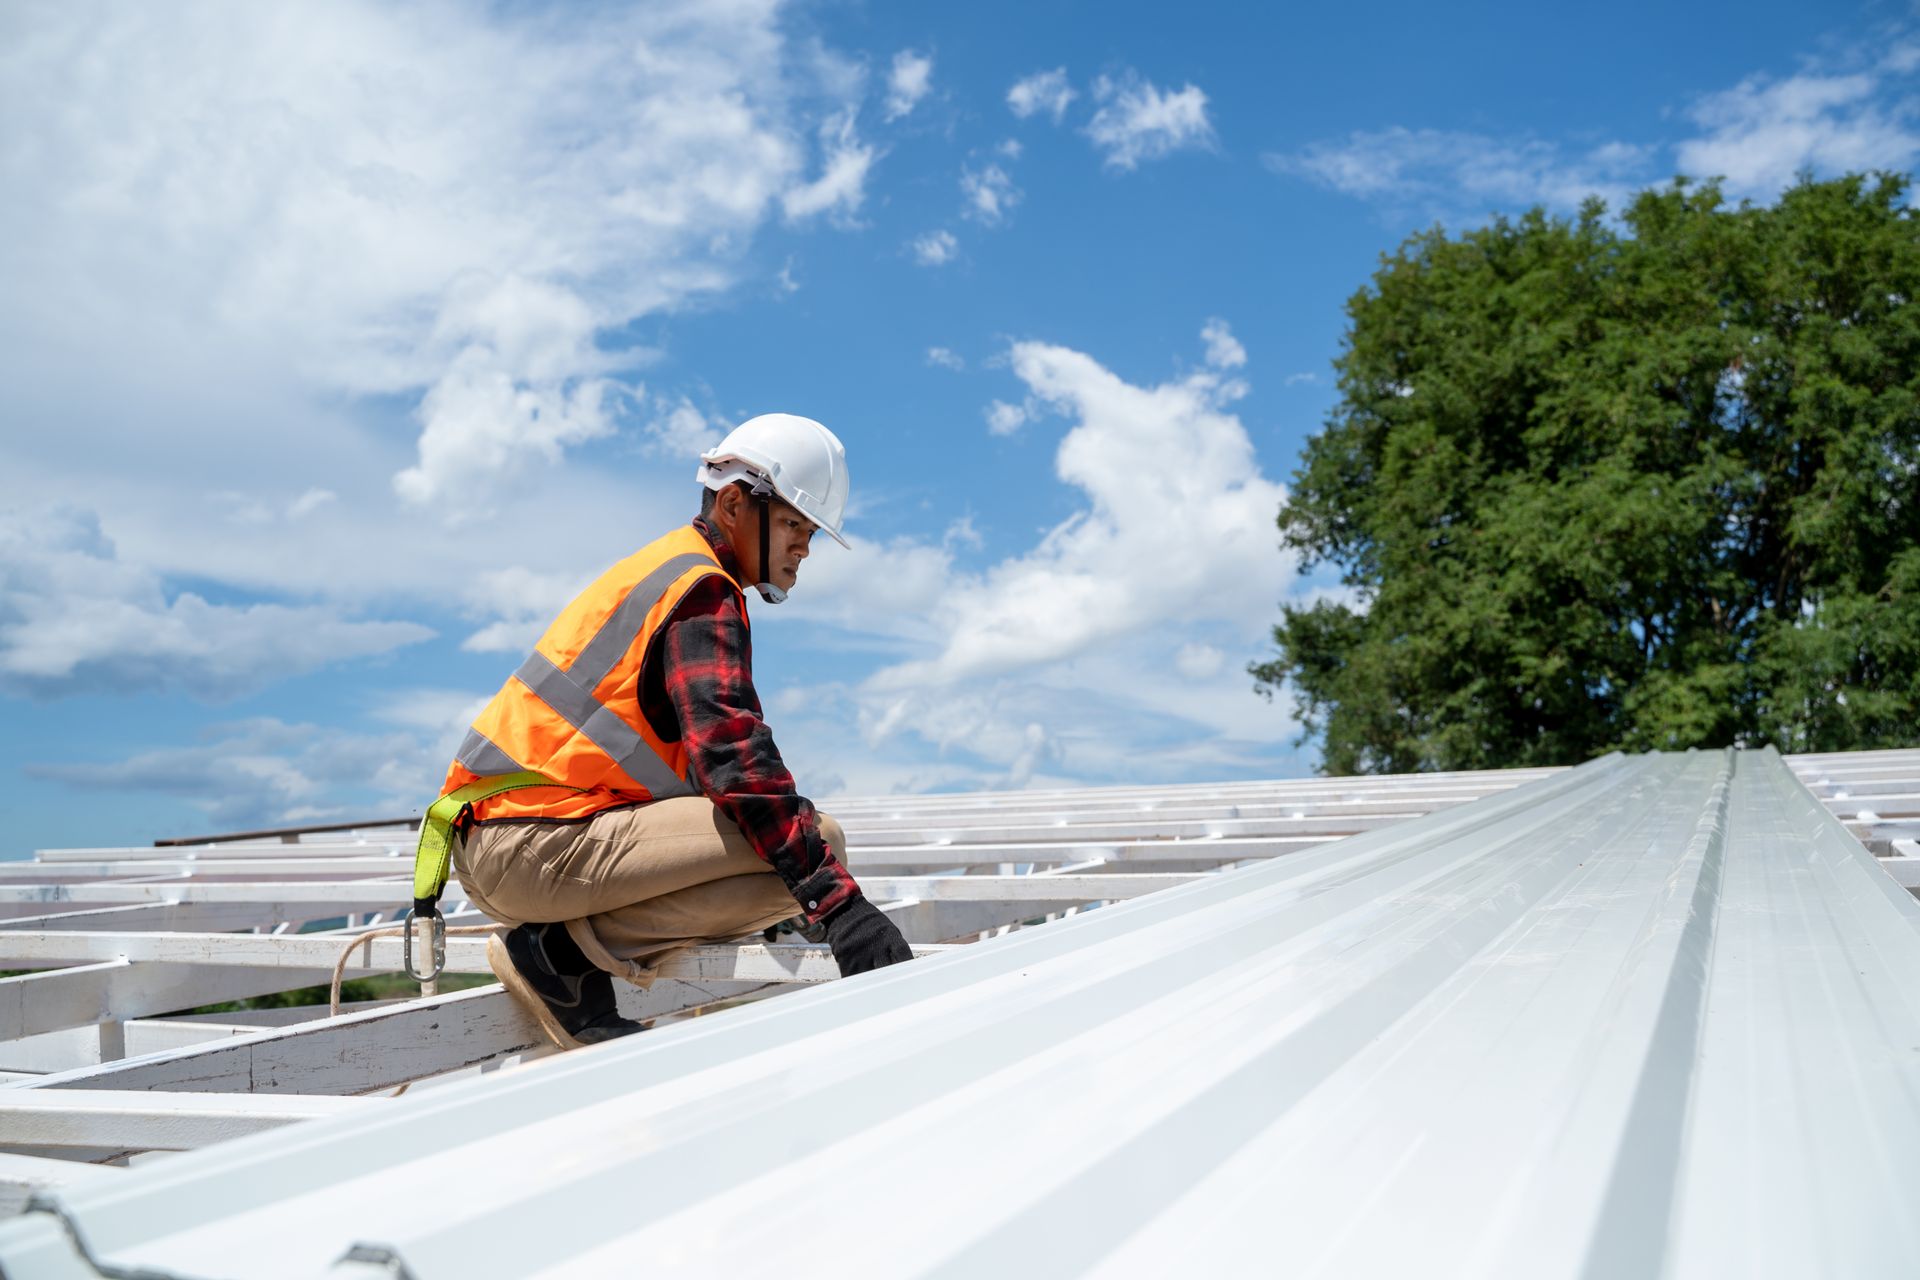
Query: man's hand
pixel 863 938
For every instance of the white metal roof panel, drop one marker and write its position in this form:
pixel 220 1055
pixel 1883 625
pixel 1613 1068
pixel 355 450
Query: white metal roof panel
pixel 1654 1016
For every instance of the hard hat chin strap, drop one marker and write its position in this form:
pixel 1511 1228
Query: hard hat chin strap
pixel 768 592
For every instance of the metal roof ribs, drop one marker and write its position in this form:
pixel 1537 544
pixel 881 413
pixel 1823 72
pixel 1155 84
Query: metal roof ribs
pixel 1652 1016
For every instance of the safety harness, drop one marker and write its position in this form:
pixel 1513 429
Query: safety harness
pixel 447 818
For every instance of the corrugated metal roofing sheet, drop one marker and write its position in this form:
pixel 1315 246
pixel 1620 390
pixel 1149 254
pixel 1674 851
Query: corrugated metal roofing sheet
pixel 1653 1016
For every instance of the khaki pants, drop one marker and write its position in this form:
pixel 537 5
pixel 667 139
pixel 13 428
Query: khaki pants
pixel 633 885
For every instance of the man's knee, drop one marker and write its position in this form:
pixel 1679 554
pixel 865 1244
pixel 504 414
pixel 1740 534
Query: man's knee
pixel 834 834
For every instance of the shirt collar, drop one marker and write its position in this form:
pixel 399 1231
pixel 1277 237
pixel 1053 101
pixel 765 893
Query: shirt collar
pixel 721 551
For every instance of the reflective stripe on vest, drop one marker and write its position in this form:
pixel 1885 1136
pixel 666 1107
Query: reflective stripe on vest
pixel 567 719
pixel 600 726
pixel 482 757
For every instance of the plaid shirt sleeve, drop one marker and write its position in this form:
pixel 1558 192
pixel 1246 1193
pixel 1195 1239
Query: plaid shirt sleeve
pixel 708 673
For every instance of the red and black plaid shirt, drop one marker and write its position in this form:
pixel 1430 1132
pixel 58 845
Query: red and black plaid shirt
pixel 699 680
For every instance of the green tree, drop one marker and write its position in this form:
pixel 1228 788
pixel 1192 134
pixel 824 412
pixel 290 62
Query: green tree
pixel 1595 486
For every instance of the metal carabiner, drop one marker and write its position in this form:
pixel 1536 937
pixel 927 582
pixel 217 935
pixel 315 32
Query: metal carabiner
pixel 437 933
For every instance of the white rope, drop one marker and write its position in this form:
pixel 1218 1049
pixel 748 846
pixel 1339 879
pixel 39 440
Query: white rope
pixel 394 931
pixel 346 953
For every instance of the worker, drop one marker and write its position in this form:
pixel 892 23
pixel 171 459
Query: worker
pixel 671 819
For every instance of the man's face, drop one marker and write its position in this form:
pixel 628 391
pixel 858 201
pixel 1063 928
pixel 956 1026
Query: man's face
pixel 788 542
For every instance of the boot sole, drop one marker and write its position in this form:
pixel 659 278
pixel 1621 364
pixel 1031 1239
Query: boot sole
pixel 521 990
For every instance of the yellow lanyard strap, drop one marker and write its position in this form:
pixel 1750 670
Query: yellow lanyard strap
pixel 433 861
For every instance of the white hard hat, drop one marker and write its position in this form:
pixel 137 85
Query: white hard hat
pixel 804 463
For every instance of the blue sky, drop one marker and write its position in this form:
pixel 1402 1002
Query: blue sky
pixel 342 343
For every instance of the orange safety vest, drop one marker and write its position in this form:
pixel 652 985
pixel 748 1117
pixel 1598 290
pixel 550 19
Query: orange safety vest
pixel 572 710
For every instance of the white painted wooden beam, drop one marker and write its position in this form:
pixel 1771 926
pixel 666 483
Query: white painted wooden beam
pixel 398 850
pixel 276 900
pixel 380 1048
pixel 119 991
pixel 290 865
pixel 932 848
pixel 77 1047
pixel 1284 819
pixel 353 1053
pixel 34 1003
pixel 153 1120
pixel 374 1049
pixel 1905 871
pixel 250 950
pixel 928 922
pixel 1084 888
pixel 750 962
pixel 314 900
pixel 911 859
pixel 170 916
pixel 1496 779
pixel 899 858
pixel 1100 800
pixel 1140 827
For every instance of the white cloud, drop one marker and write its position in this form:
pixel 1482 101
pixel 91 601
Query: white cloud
pixel 260 509
pixel 1004 419
pixel 266 772
pixel 679 430
pixel 521 603
pixel 1115 714
pixel 1172 540
pixel 434 201
pixel 841 187
pixel 1223 349
pixel 936 248
pixel 514 392
pixel 1902 58
pixel 1761 133
pixel 962 533
pixel 76 618
pixel 1198 661
pixel 990 194
pixel 945 359
pixel 1046 91
pixel 1434 168
pixel 383 251
pixel 1758 136
pixel 1136 121
pixel 1010 148
pixel 610 148
pixel 908 82
pixel 876 595
pixel 1306 378
pixel 1037 747
pixel 1176 531
pixel 309 502
pixel 445 712
pixel 972 743
pixel 1114 650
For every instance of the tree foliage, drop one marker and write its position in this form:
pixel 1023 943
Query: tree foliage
pixel 1653 484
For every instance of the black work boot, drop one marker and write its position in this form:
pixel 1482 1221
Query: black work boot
pixel 544 968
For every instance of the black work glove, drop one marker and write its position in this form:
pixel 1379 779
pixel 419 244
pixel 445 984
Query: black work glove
pixel 863 938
